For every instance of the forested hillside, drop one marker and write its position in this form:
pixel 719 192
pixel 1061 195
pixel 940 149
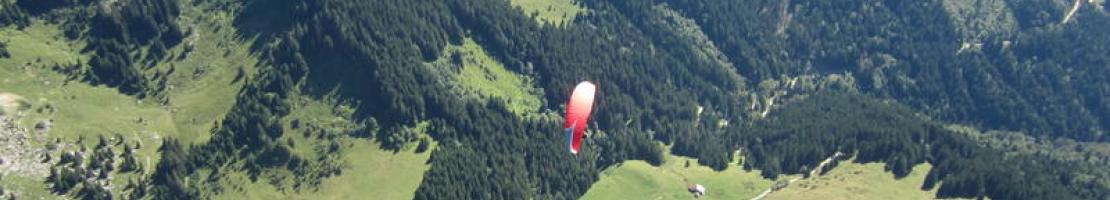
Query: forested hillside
pixel 1039 77
pixel 289 98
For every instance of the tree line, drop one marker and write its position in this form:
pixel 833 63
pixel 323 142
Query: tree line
pixel 126 38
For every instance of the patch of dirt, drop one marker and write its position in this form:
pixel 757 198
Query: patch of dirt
pixel 12 103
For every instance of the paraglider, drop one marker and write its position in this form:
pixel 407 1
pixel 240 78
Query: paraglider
pixel 578 112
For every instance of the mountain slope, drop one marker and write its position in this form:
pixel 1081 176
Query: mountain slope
pixel 461 99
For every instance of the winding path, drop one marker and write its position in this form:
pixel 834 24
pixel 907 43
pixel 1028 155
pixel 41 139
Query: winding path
pixel 1074 9
pixel 814 172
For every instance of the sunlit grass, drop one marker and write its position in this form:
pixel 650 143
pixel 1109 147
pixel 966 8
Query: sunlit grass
pixel 639 180
pixel 368 171
pixel 859 181
pixel 76 109
pixel 476 74
pixel 557 12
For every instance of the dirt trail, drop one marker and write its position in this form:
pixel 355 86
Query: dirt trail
pixel 1074 9
pixel 770 104
pixel 814 172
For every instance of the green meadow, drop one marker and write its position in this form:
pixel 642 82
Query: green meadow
pixel 639 180
pixel 851 180
pixel 557 12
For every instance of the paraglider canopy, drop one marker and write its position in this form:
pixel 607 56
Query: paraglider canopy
pixel 578 112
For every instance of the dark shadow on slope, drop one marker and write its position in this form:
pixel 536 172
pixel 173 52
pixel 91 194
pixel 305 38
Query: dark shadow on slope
pixel 265 20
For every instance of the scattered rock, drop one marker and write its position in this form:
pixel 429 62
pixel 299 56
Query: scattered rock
pixel 44 125
pixel 17 155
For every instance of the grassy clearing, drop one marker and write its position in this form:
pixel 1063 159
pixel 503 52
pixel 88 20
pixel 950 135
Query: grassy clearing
pixel 369 171
pixel 27 188
pixel 859 181
pixel 478 75
pixel 206 80
pixel 328 115
pixel 639 180
pixel 202 86
pixel 377 173
pixel 557 12
pixel 76 109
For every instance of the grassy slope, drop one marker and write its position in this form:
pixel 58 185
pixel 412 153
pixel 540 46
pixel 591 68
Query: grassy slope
pixel 204 84
pixel 639 180
pixel 557 12
pixel 374 172
pixel 369 171
pixel 481 76
pixel 196 99
pixel 80 109
pixel 377 173
pixel 27 187
pixel 859 181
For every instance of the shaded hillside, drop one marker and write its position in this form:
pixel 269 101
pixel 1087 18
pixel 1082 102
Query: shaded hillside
pixel 1043 79
pixel 801 135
